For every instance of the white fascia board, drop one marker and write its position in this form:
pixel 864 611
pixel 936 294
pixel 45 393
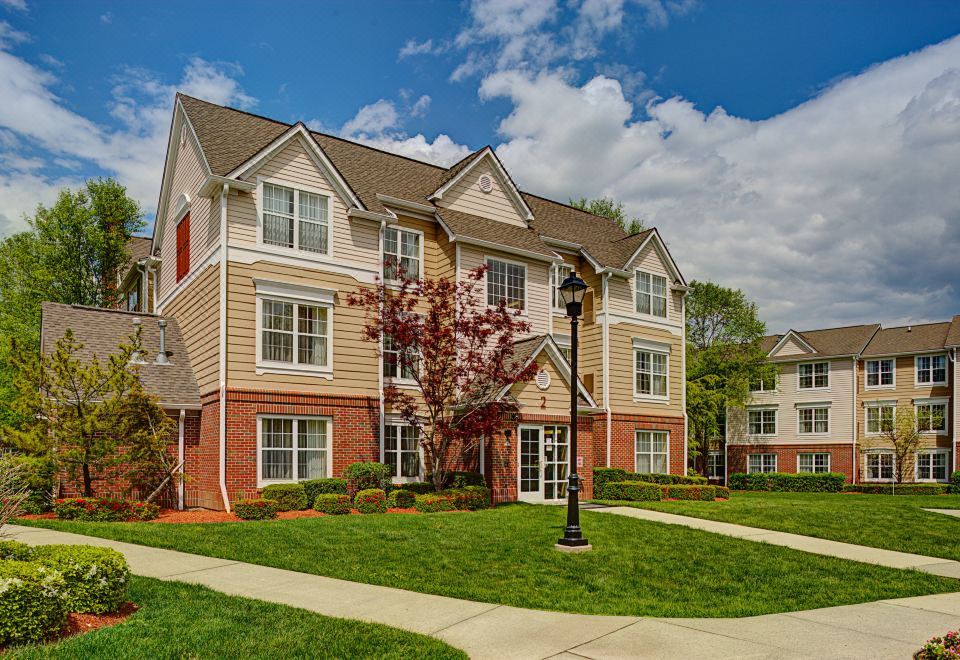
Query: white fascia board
pixel 795 335
pixel 512 190
pixel 665 256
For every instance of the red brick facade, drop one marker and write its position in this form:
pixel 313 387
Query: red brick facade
pixel 841 456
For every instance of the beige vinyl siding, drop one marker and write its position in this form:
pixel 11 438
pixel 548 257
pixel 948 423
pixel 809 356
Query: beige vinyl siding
pixel 197 309
pixel 621 290
pixel 353 242
pixel 792 347
pixel 555 400
pixel 446 265
pixel 355 361
pixel 436 262
pixel 467 197
pixel 839 397
pixel 188 175
pixel 590 357
pixel 622 370
pixel 537 302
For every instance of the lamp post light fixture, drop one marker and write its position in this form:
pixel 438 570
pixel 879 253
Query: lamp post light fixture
pixel 572 290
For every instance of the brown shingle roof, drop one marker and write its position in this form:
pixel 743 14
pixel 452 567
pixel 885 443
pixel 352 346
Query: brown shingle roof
pixel 231 137
pixel 829 342
pixel 953 336
pixel 138 247
pixel 101 331
pixel 909 339
pixel 494 231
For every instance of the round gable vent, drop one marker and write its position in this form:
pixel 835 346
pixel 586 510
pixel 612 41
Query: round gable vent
pixel 485 183
pixel 543 379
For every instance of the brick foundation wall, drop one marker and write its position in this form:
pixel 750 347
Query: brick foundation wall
pixel 841 458
pixel 623 439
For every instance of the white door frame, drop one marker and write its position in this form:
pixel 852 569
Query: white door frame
pixel 537 496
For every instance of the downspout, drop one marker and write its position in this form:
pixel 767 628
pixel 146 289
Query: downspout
pixel 853 469
pixel 155 284
pixel 383 227
pixel 606 364
pixel 142 288
pixel 224 235
pixel 180 459
pixel 953 423
pixel 683 392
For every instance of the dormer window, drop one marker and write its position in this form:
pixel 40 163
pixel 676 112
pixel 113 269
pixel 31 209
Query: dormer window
pixel 294 218
pixel 651 294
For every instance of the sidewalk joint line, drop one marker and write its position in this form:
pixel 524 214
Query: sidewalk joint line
pixel 496 606
pixel 199 570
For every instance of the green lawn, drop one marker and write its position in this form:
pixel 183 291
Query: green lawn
pixel 180 620
pixel 505 555
pixel 880 521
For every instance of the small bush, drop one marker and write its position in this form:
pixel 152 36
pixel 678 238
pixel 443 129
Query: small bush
pixel 722 492
pixel 941 648
pixel 897 489
pixel 371 500
pixel 255 509
pixel 96 578
pixel 367 476
pixel 328 486
pixel 401 499
pixel 689 492
pixel 825 482
pixel 15 551
pixel 955 482
pixel 38 475
pixel 336 504
pixel 603 476
pixel 104 509
pixel 470 498
pixel 632 491
pixel 33 604
pixel 417 487
pixel 289 497
pixel 667 479
pixel 462 479
pixel 434 502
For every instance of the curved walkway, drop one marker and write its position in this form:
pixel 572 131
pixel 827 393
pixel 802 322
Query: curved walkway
pixel 885 629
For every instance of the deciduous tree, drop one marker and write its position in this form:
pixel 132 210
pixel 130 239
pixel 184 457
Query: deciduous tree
pixel 903 435
pixel 609 208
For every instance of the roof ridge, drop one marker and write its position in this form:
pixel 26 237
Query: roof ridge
pixel 92 308
pixel 917 325
pixel 839 327
pixel 571 206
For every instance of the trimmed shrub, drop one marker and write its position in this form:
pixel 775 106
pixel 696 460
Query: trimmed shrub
pixel 368 476
pixel 955 482
pixel 897 489
pixel 14 551
pixel 417 487
pixel 336 504
pixel 632 491
pixel 96 578
pixel 104 509
pixel 401 499
pixel 289 497
pixel 689 492
pixel 470 498
pixel 826 482
pixel 33 604
pixel 603 476
pixel 462 479
pixel 371 500
pixel 667 479
pixel 722 492
pixel 434 502
pixel 255 509
pixel 328 486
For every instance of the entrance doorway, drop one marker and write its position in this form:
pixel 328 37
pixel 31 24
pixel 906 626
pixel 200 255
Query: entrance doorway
pixel 544 463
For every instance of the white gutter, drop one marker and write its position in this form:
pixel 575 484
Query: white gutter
pixel 853 470
pixel 683 394
pixel 180 452
pixel 224 235
pixel 606 364
pixel 952 354
pixel 383 226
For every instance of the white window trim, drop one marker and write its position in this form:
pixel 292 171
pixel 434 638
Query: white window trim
pixel 718 454
pixel 261 482
pixel 931 450
pixel 650 347
pixel 776 461
pixel 328 256
pixel 893 464
pixel 938 383
pixel 401 228
pixel 877 404
pixel 814 389
pixel 669 291
pixel 934 402
pixel 866 367
pixel 812 453
pixel 776 420
pixel 773 390
pixel 815 406
pixel 555 280
pixel 636 439
pixel 296 294
pixel 526 283
pixel 399 380
pixel 383 454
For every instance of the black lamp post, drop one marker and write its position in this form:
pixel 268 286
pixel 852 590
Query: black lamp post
pixel 572 291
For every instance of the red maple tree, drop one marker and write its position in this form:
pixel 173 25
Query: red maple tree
pixel 456 350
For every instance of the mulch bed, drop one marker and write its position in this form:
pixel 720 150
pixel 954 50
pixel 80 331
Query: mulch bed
pixel 173 516
pixel 77 623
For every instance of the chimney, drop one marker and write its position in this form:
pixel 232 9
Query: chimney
pixel 162 355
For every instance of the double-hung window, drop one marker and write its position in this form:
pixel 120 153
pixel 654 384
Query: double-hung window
pixel 761 463
pixel 398 363
pixel 879 466
pixel 880 417
pixel 715 465
pixel 650 373
pixel 506 281
pixel 762 422
pixel 401 254
pixel 814 420
pixel 294 218
pixel 652 452
pixel 813 462
pixel 763 385
pixel 651 294
pixel 880 373
pixel 293 448
pixel 931 369
pixel 558 274
pixel 931 417
pixel 814 375
pixel 932 465
pixel 294 333
pixel 133 302
pixel 401 451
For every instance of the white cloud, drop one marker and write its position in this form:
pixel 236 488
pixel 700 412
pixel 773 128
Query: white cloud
pixel 372 119
pixel 413 47
pixel 106 18
pixel 842 209
pixel 10 37
pixel 15 5
pixel 420 107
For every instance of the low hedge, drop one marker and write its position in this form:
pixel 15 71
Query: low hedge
pixel 328 486
pixel 722 492
pixel 371 500
pixel 632 491
pixel 667 479
pixel 897 489
pixel 104 509
pixel 825 482
pixel 289 497
pixel 470 498
pixel 255 509
pixel 336 504
pixel 415 487
pixel 96 578
pixel 368 476
pixel 955 482
pixel 688 492
pixel 401 499
pixel 462 479
pixel 603 476
pixel 33 603
pixel 434 502
pixel 15 551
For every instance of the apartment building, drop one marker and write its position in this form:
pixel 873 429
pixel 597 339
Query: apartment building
pixel 263 230
pixel 838 389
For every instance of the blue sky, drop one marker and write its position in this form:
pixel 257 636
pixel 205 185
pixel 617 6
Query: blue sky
pixel 798 150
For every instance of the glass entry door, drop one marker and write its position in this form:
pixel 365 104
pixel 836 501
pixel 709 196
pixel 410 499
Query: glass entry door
pixel 544 463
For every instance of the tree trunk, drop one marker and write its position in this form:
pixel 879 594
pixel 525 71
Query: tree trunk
pixel 87 481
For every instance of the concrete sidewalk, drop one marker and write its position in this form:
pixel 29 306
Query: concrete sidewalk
pixel 885 629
